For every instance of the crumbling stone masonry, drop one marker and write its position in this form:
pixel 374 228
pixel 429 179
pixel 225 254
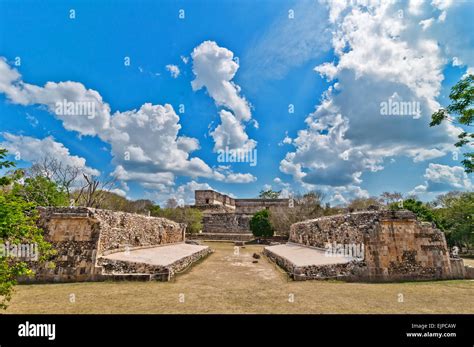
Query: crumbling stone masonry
pixel 82 235
pixel 212 198
pixel 226 223
pixel 396 247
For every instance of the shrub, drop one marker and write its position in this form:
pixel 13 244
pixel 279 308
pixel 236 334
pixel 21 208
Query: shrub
pixel 190 216
pixel 422 211
pixel 260 224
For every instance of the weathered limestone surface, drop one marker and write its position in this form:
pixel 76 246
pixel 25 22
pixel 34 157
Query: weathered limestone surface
pixel 469 272
pixel 82 235
pixel 396 247
pixel 160 272
pixel 326 271
pixel 226 223
pixel 220 236
pixel 212 198
pixel 121 229
pixel 254 205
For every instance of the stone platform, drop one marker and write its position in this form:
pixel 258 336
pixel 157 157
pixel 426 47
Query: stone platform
pixel 160 263
pixel 303 262
pixel 394 246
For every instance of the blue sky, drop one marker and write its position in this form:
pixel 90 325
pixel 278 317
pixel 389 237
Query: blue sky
pixel 250 62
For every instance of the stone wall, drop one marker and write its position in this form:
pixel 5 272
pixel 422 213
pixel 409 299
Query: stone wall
pixel 209 209
pixel 121 229
pixel 255 205
pixel 468 272
pixel 458 269
pixel 397 246
pixel 221 237
pixel 81 235
pixel 210 197
pixel 204 198
pixel 226 223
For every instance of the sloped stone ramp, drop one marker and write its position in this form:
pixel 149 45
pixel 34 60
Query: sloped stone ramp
pixel 152 263
pixel 303 262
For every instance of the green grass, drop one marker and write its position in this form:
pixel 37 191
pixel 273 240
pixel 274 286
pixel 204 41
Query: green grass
pixel 228 283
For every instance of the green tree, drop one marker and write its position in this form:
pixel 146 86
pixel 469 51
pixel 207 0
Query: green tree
pixel 155 210
pixel 17 226
pixel 192 217
pixel 462 99
pixel 269 194
pixel 114 202
pixel 41 191
pixel 5 164
pixel 456 212
pixel 305 206
pixel 453 213
pixel 422 211
pixel 142 206
pixel 390 198
pixel 362 204
pixel 260 224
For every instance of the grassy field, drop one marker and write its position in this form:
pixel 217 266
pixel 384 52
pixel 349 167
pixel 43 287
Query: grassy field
pixel 230 283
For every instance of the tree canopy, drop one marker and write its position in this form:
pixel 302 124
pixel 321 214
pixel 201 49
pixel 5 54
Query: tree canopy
pixel 462 99
pixel 17 226
pixel 260 224
pixel 269 194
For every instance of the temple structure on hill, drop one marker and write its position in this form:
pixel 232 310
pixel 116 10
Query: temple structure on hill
pixel 226 218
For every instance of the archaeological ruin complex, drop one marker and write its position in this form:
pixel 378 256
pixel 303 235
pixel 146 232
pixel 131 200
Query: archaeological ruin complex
pixel 96 245
pixel 226 218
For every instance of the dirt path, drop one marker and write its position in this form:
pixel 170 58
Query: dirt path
pixel 229 262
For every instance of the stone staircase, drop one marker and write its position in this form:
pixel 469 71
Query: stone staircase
pixel 221 236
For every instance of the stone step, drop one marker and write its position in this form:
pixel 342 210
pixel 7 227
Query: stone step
pixel 221 236
pixel 127 276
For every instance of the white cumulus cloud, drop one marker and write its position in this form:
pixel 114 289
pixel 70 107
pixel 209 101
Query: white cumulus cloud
pixel 379 54
pixel 443 178
pixel 214 68
pixel 173 70
pixel 35 150
pixel 145 143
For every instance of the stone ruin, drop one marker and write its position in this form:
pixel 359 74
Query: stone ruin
pixel 85 240
pixel 95 245
pixel 396 246
pixel 226 218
